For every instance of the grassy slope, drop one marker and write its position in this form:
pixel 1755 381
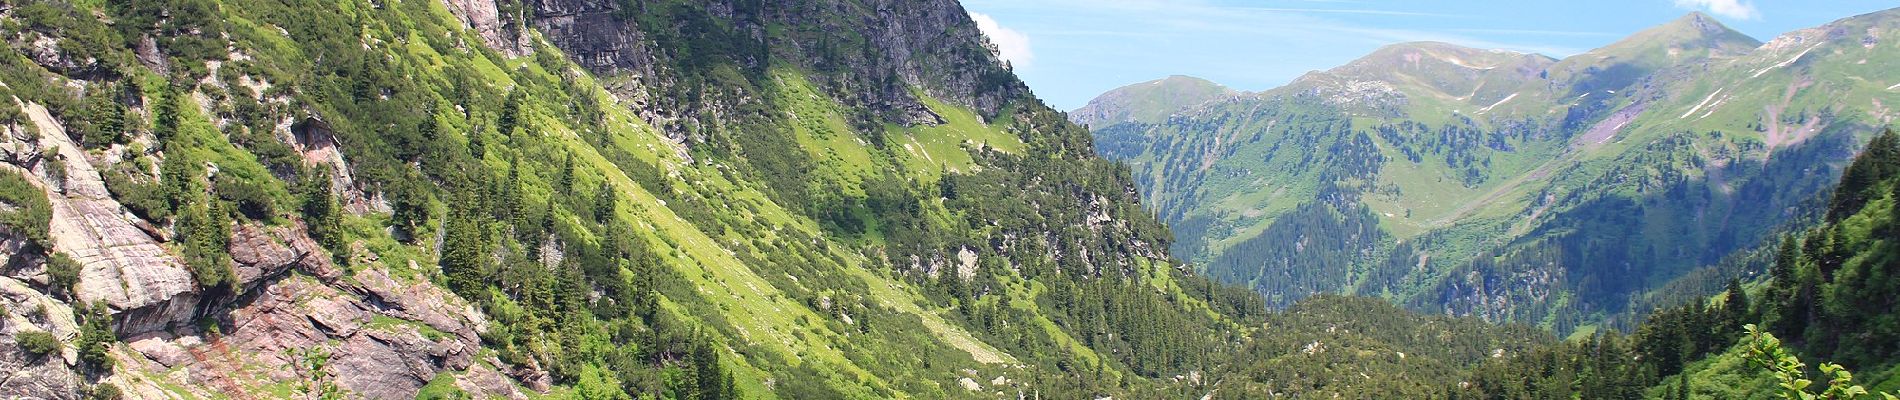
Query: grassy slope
pixel 1528 187
pixel 765 327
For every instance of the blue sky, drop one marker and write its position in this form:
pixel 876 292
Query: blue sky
pixel 1071 50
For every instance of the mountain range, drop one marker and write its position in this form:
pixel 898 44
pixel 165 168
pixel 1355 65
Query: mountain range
pixel 1512 186
pixel 858 199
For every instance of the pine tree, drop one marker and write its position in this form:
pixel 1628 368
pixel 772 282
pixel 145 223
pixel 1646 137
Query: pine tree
pixel 205 226
pixel 604 202
pixel 465 253
pixel 103 119
pixel 96 336
pixel 411 207
pixel 165 115
pixel 1878 162
pixel 321 213
pixel 567 176
pixel 511 115
pixel 1734 309
pixel 1682 386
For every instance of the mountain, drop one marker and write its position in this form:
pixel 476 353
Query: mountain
pixel 565 198
pixel 1824 296
pixel 1149 102
pixel 1511 186
pixel 590 199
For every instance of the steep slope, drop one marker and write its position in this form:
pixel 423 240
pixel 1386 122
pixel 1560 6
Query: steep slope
pixel 1513 186
pixel 596 199
pixel 1827 291
pixel 1149 102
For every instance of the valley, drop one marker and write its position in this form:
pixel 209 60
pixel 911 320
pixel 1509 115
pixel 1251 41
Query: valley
pixel 1506 185
pixel 862 199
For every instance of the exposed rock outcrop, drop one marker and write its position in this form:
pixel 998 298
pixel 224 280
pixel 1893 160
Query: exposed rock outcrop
pixel 929 45
pixel 485 19
pixel 263 252
pixel 24 375
pixel 121 265
pixel 376 351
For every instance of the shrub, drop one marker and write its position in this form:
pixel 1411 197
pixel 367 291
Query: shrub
pixel 26 211
pixel 105 391
pixel 252 198
pixel 64 271
pixel 38 343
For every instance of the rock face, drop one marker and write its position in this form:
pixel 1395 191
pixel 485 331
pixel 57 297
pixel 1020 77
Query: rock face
pixel 261 252
pixel 24 375
pixel 930 45
pixel 387 336
pixel 376 350
pixel 122 265
pixel 486 20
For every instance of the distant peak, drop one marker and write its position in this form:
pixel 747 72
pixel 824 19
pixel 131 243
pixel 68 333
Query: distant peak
pixel 1427 45
pixel 1150 102
pixel 1694 30
pixel 1411 53
pixel 1184 79
pixel 1699 22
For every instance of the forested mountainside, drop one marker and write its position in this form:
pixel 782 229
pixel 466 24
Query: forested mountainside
pixel 625 199
pixel 1516 187
pixel 599 200
pixel 1829 294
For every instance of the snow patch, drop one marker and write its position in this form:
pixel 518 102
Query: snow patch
pixel 1705 101
pixel 1487 109
pixel 1790 61
pixel 1461 63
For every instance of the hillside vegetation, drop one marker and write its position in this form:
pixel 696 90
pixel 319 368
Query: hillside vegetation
pixel 1567 194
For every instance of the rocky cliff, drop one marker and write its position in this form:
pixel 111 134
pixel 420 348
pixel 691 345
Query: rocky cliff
pixel 869 55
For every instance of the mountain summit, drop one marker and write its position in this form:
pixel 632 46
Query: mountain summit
pixel 1149 102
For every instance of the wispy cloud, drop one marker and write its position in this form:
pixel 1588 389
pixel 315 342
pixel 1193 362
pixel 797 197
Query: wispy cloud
pixel 1011 45
pixel 1737 9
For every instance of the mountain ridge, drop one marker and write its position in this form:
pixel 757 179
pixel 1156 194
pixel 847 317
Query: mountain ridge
pixel 1425 171
pixel 1140 102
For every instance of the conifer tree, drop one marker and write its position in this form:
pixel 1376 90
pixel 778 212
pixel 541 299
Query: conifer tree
pixel 321 213
pixel 465 253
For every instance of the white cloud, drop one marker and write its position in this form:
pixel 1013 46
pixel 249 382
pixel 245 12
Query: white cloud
pixel 1011 45
pixel 1737 9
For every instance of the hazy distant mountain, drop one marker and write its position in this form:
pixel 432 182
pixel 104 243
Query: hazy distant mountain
pixel 1516 186
pixel 1149 102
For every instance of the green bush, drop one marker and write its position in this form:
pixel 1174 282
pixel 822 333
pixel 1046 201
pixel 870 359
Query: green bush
pixel 253 199
pixel 105 391
pixel 96 337
pixel 64 271
pixel 23 207
pixel 38 343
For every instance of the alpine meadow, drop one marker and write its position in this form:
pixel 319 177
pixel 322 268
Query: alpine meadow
pixel 862 199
